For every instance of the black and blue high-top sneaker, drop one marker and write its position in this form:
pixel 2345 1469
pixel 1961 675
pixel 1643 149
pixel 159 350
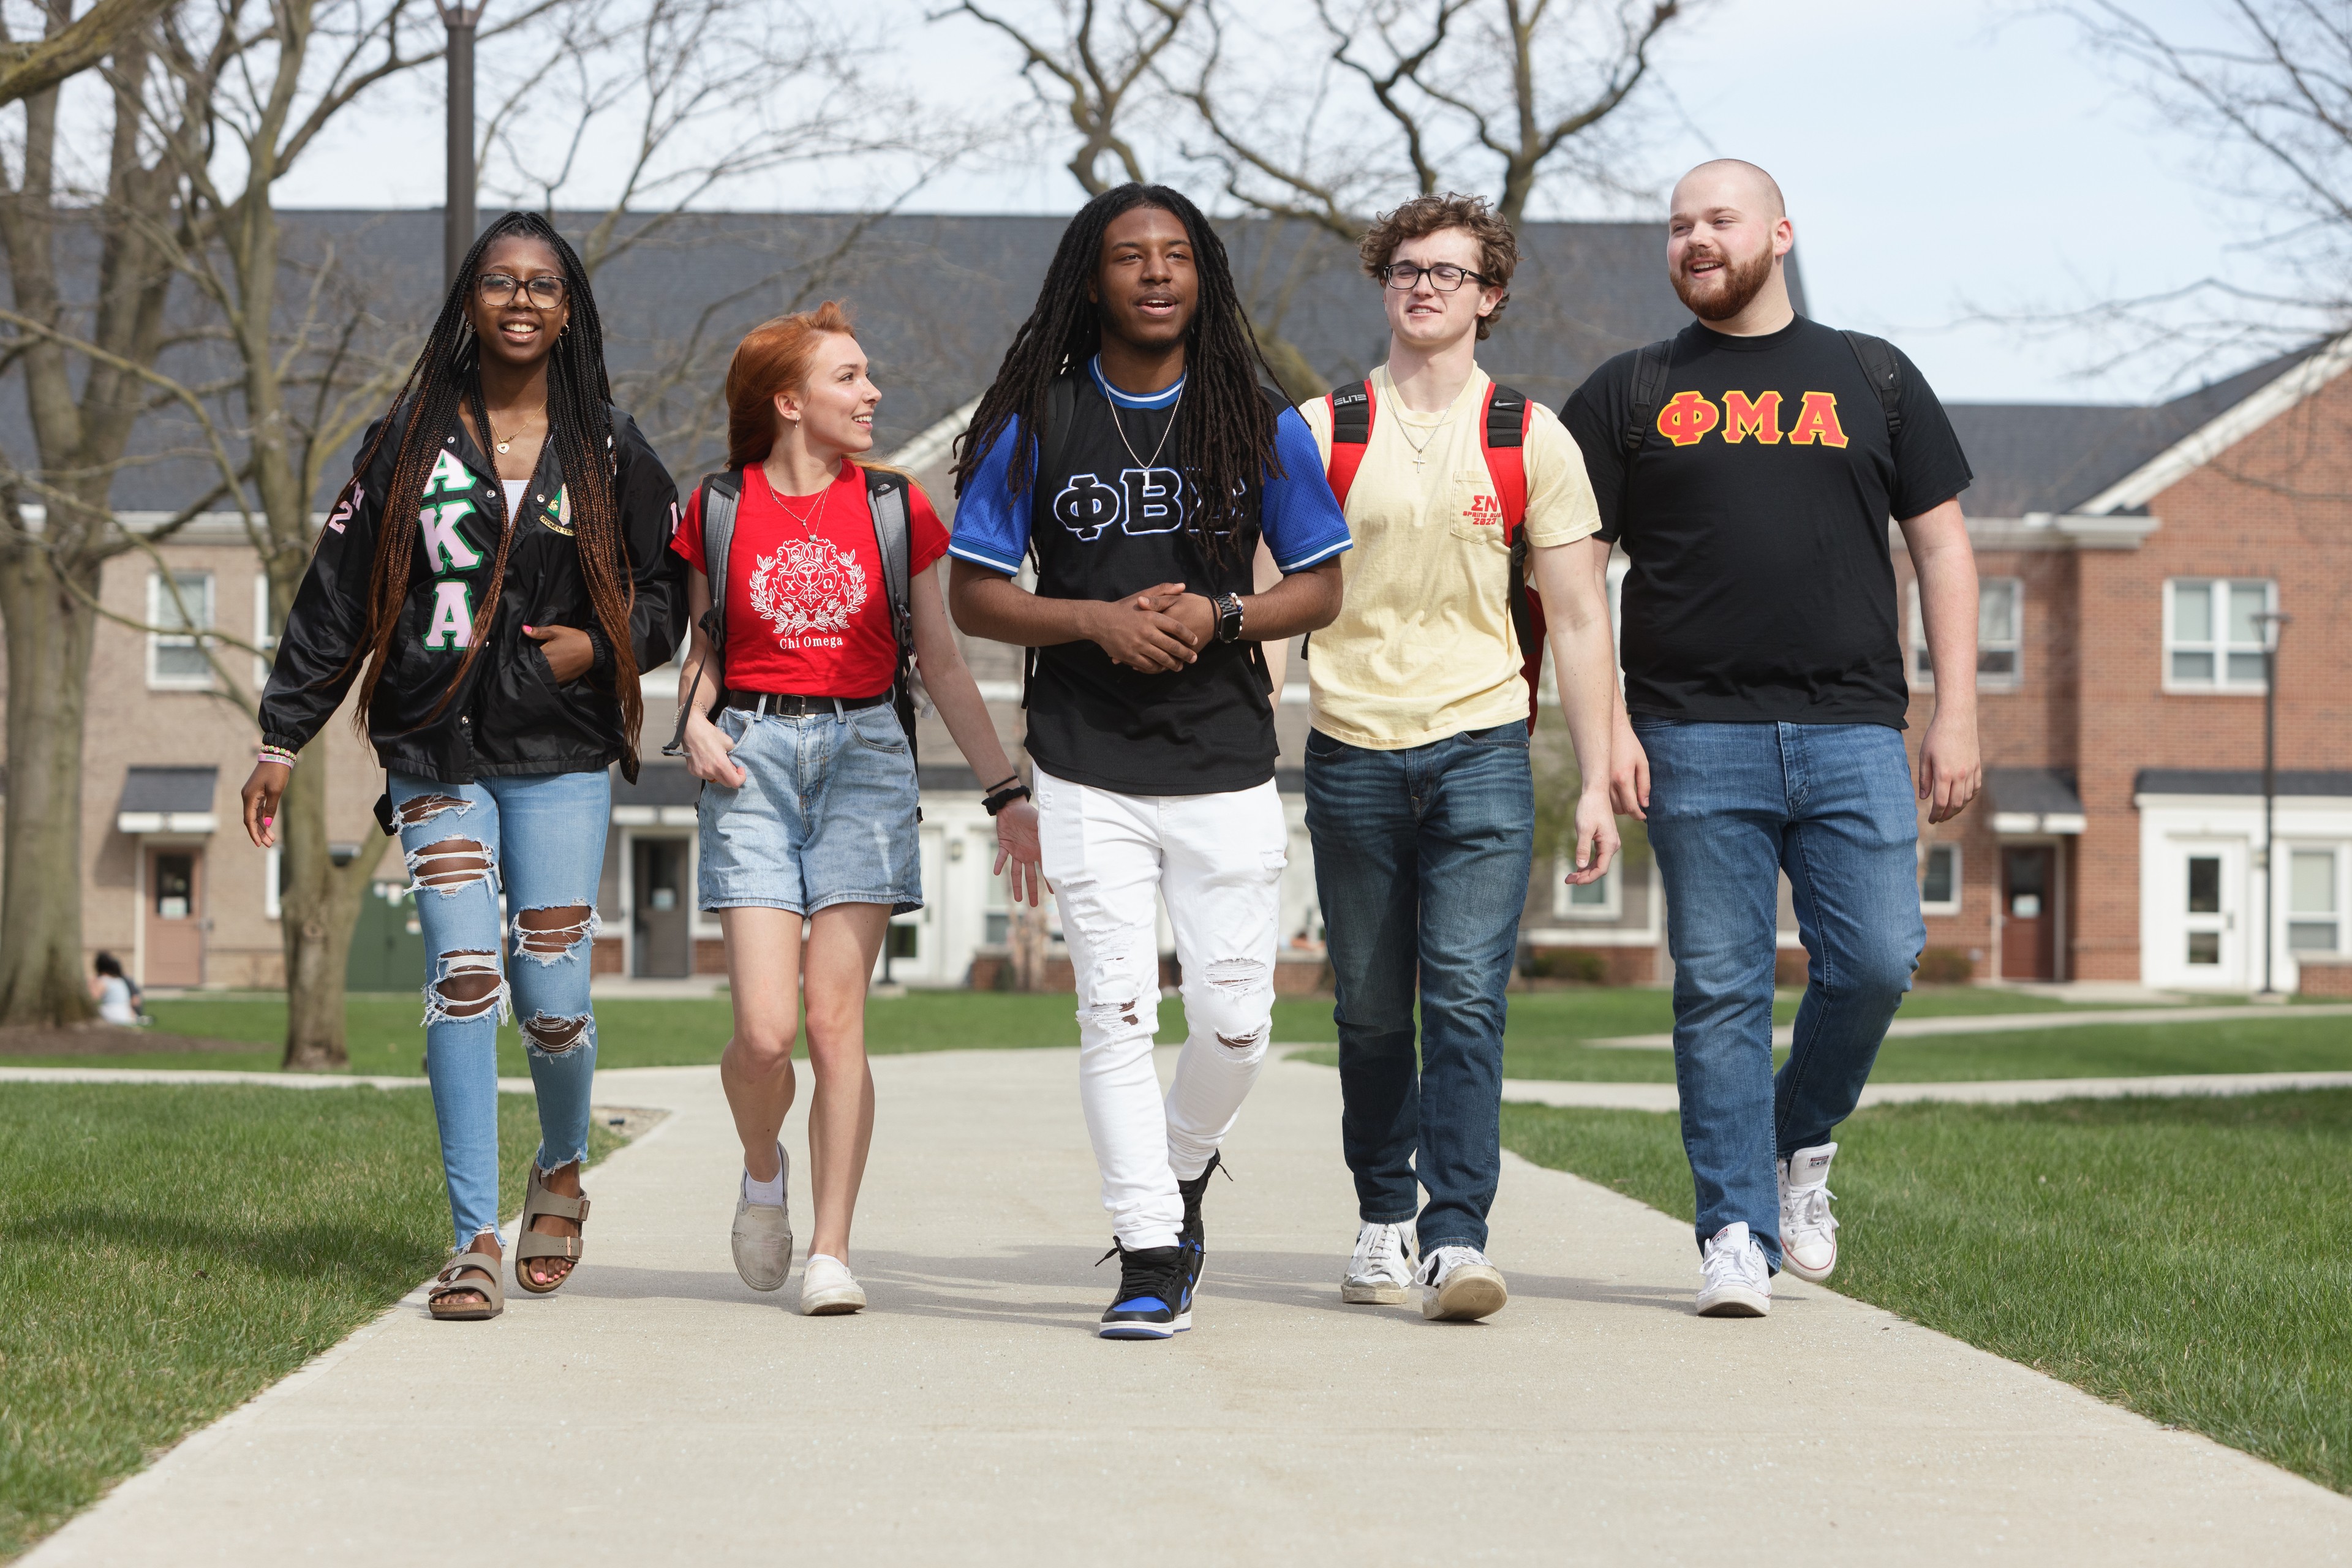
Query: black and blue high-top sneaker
pixel 1154 1300
pixel 1190 1238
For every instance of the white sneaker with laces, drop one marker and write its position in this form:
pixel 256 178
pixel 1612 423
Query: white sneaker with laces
pixel 1459 1286
pixel 828 1289
pixel 1737 1281
pixel 762 1236
pixel 1808 1230
pixel 1381 1272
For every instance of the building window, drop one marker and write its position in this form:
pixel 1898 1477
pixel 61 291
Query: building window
pixel 1589 902
pixel 996 912
pixel 2001 635
pixel 2213 636
pixel 1939 881
pixel 265 631
pixel 179 607
pixel 2312 904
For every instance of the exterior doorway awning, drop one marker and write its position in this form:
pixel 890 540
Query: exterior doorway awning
pixel 2034 800
pixel 167 800
pixel 663 795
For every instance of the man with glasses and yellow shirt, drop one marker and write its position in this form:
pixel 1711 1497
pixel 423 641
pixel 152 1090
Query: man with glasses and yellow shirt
pixel 1462 496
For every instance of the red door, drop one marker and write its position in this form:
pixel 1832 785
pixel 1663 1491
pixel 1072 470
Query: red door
pixel 2028 930
pixel 175 918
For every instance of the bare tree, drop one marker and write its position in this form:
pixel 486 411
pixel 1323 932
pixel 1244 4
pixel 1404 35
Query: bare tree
pixel 1095 72
pixel 69 45
pixel 1414 95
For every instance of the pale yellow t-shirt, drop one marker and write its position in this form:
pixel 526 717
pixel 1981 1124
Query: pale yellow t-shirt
pixel 1423 647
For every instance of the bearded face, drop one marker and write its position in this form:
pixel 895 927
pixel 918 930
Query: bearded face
pixel 1716 286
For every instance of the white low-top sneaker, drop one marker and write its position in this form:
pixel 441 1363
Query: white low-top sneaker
pixel 827 1287
pixel 1459 1286
pixel 1808 1230
pixel 762 1237
pixel 1739 1282
pixel 1381 1272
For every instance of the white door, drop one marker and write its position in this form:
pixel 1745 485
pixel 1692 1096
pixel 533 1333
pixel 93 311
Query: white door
pixel 919 939
pixel 2208 901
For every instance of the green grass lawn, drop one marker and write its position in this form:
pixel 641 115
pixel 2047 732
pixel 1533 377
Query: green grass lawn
pixel 384 1036
pixel 2183 1258
pixel 166 1253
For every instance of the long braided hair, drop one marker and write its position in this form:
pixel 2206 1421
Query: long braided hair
pixel 446 376
pixel 1227 440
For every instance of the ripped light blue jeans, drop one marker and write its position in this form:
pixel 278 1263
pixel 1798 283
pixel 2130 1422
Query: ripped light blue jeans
pixel 539 839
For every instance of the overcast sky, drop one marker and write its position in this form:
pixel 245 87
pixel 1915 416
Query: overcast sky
pixel 1942 161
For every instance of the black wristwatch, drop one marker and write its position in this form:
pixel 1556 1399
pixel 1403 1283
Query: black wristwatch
pixel 1228 617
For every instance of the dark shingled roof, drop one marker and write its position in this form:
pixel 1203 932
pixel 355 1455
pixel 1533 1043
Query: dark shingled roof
pixel 2039 792
pixel 170 790
pixel 2242 781
pixel 2031 456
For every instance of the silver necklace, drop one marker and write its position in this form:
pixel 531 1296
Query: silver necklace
pixel 1421 447
pixel 1171 430
pixel 808 523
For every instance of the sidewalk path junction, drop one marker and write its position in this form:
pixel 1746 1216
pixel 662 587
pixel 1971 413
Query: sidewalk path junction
pixel 658 1411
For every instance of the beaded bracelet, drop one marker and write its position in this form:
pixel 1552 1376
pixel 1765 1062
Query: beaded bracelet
pixel 277 754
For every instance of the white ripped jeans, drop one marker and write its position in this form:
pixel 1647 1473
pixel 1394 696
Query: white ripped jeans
pixel 1217 860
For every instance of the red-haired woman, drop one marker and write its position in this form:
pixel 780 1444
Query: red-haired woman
pixel 496 568
pixel 809 801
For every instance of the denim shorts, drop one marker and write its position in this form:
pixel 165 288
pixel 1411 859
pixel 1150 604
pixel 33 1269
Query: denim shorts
pixel 827 816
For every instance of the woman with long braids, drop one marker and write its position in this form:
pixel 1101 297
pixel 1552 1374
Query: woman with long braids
pixel 495 575
pixel 794 710
pixel 1131 442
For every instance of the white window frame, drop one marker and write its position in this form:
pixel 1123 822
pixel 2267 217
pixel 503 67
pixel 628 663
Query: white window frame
pixel 2339 893
pixel 2219 646
pixel 1950 906
pixel 159 604
pixel 272 861
pixel 265 635
pixel 1922 674
pixel 1611 907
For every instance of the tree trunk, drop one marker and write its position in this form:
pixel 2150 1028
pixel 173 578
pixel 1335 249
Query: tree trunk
pixel 317 909
pixel 49 634
pixel 1299 379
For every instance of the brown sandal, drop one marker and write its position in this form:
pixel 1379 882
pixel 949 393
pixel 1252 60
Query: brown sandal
pixel 473 1271
pixel 530 1244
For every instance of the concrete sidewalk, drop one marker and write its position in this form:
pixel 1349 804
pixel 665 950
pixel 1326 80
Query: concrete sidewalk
pixel 2010 1022
pixel 1980 1091
pixel 656 1411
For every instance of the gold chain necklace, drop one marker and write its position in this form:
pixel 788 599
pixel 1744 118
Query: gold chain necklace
pixel 808 523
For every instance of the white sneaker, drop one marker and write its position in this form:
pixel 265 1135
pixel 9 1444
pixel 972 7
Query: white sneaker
pixel 1459 1286
pixel 1381 1272
pixel 1739 1282
pixel 1808 1229
pixel 828 1289
pixel 762 1237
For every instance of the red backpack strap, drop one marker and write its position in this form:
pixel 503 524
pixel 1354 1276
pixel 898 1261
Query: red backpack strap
pixel 1351 408
pixel 1503 439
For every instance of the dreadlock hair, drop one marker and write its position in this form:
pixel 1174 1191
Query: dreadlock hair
pixel 446 376
pixel 1227 439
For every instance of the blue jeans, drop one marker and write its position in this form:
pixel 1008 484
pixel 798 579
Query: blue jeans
pixel 1422 858
pixel 827 814
pixel 541 838
pixel 1730 807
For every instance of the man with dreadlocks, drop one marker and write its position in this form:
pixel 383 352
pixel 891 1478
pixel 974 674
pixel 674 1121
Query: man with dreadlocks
pixel 1129 444
pixel 498 565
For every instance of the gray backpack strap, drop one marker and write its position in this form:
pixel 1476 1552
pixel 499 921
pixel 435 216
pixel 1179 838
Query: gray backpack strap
pixel 719 494
pixel 886 497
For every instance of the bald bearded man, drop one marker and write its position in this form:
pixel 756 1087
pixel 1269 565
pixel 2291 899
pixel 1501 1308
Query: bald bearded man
pixel 1748 467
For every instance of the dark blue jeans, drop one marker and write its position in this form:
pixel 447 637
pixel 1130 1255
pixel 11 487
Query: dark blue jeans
pixel 1731 806
pixel 1422 858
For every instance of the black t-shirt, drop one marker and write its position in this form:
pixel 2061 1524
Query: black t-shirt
pixel 1761 588
pixel 1108 518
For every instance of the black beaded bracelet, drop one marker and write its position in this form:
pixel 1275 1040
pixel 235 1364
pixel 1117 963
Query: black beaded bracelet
pixel 1004 797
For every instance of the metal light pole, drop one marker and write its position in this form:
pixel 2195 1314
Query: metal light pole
pixel 2272 622
pixel 458 221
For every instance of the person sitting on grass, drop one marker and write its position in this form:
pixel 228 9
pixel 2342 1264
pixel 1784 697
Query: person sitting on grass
pixel 117 995
pixel 808 809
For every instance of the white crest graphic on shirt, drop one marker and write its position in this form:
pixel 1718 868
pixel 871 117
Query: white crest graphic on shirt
pixel 807 587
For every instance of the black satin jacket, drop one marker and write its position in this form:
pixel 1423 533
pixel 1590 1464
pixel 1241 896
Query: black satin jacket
pixel 511 716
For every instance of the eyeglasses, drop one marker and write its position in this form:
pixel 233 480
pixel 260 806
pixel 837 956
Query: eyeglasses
pixel 1445 277
pixel 546 292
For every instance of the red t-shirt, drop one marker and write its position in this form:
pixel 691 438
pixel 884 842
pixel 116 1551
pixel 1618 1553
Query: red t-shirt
pixel 806 609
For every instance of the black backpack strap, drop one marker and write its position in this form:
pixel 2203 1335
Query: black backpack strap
pixel 1650 369
pixel 1507 417
pixel 886 498
pixel 719 494
pixel 1351 414
pixel 1883 370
